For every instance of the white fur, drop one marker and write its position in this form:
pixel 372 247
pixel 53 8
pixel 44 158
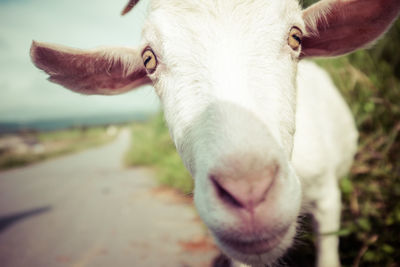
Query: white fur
pixel 227 81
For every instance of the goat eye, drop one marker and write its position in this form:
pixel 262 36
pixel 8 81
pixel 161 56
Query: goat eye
pixel 149 60
pixel 294 39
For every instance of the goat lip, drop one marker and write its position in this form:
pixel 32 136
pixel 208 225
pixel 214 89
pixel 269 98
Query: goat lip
pixel 252 247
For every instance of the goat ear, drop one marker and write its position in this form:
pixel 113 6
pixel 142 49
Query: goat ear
pixel 337 27
pixel 105 71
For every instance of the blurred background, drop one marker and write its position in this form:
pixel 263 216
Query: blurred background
pixel 61 210
pixel 28 101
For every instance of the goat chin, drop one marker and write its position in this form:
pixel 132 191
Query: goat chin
pixel 277 248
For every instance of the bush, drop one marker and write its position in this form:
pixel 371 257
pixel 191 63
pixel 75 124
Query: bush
pixel 152 146
pixel 370 82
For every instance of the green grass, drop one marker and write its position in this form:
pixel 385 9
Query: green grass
pixel 152 146
pixel 55 143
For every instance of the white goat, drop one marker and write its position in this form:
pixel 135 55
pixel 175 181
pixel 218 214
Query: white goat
pixel 264 134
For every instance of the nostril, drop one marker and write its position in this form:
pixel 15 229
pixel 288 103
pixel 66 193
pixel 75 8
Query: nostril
pixel 243 190
pixel 224 194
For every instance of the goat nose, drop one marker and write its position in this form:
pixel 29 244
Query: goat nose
pixel 243 192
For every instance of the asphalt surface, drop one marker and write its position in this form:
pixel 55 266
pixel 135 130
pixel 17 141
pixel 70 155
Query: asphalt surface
pixel 86 209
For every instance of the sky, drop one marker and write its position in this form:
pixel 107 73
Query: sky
pixel 25 94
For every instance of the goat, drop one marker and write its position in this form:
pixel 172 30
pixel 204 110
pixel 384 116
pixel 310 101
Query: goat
pixel 265 134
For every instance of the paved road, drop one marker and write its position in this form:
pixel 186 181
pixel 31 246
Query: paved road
pixel 87 210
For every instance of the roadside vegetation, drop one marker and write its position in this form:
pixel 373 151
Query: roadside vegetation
pixel 29 147
pixel 370 234
pixel 370 83
pixel 152 146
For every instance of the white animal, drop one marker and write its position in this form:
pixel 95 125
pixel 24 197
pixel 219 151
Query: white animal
pixel 264 134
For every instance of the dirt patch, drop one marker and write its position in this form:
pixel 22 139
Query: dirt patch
pixel 201 244
pixel 171 195
pixel 63 259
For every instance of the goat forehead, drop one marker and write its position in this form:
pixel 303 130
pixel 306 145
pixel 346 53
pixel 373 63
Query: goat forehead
pixel 247 15
pixel 197 27
pixel 219 7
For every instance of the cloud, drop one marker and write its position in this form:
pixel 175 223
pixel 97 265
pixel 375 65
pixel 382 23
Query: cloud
pixel 24 92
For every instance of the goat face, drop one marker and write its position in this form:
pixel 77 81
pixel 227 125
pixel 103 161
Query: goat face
pixel 226 76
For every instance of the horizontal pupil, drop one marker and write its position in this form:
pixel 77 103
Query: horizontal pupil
pixel 147 60
pixel 297 38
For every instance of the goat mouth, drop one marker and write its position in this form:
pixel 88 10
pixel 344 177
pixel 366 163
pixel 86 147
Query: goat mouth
pixel 258 246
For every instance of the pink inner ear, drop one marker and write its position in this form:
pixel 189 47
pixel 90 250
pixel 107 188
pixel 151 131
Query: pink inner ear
pixel 99 71
pixel 340 27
